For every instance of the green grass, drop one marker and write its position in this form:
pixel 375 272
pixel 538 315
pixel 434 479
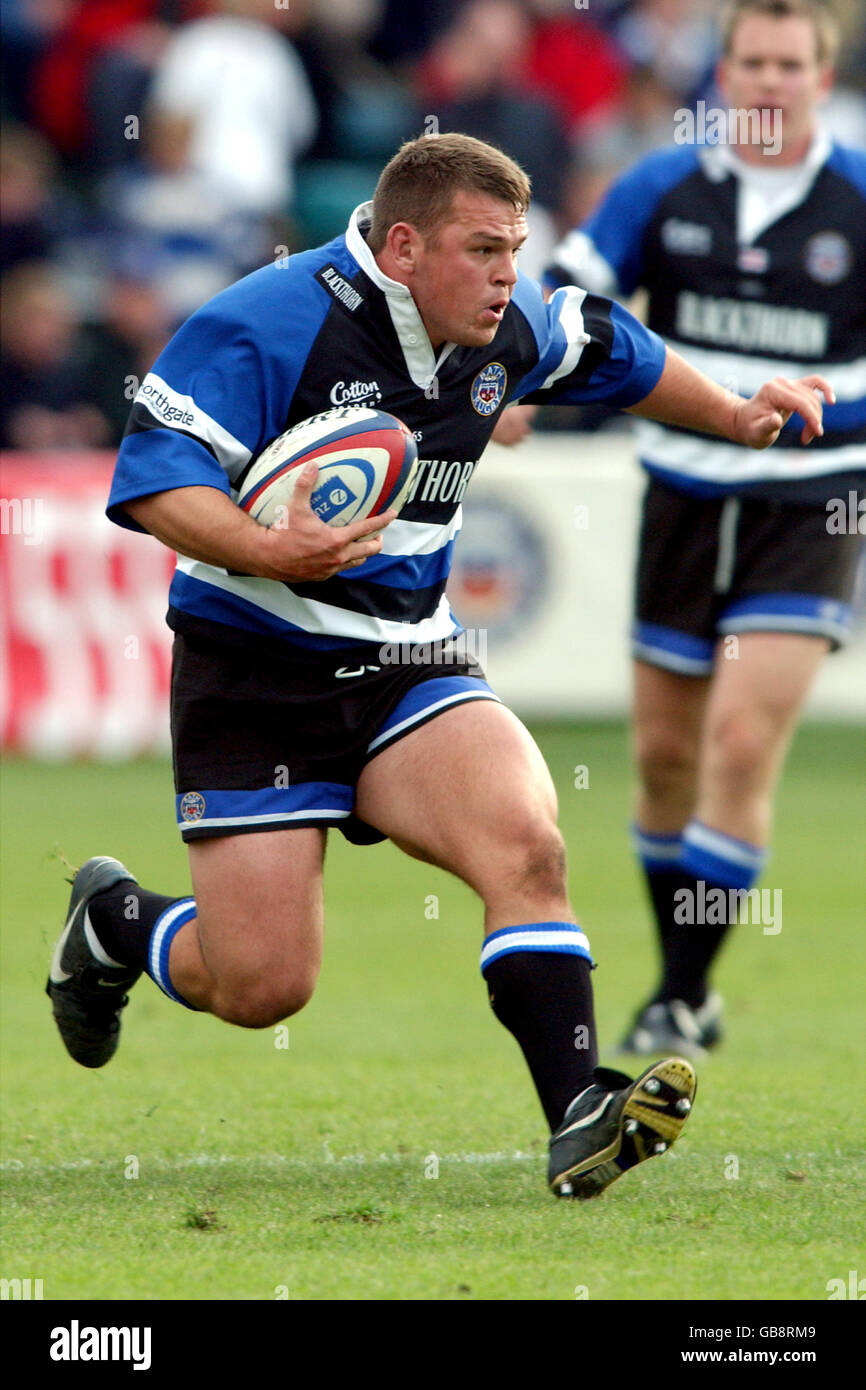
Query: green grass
pixel 264 1169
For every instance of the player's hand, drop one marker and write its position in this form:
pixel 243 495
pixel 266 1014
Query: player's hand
pixel 304 548
pixel 760 419
pixel 514 424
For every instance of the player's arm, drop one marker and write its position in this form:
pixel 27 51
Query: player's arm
pixel 205 524
pixel 684 396
pixel 514 424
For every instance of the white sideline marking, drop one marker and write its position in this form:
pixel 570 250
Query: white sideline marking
pixel 13 1165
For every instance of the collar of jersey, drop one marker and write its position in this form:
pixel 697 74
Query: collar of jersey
pixel 721 160
pixel 758 206
pixel 422 364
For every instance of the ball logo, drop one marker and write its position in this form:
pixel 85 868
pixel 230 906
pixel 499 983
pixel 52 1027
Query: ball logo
pixel 827 257
pixel 192 806
pixel 331 497
pixel 488 388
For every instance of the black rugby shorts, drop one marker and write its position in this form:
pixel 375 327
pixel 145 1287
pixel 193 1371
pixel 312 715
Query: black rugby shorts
pixel 709 567
pixel 267 738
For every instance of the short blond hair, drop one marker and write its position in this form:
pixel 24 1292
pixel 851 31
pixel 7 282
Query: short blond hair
pixel 819 14
pixel 419 183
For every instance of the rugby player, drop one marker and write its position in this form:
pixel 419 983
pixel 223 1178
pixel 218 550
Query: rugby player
pixel 279 633
pixel 754 257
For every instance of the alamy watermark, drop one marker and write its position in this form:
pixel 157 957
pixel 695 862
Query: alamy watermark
pixel 21 1289
pixel 469 644
pixel 715 125
pixel 853 1288
pixel 715 907
pixel 847 516
pixel 23 516
pixel 77 1343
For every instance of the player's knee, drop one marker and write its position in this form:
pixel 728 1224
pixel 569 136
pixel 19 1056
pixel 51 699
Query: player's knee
pixel 262 1003
pixel 740 746
pixel 534 857
pixel 665 759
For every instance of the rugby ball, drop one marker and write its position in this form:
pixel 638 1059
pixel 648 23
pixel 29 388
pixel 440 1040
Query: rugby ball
pixel 367 463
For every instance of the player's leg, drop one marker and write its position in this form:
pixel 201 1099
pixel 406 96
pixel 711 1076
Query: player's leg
pixel 253 952
pixel 255 730
pixel 751 715
pixel 667 728
pixel 785 602
pixel 742 721
pixel 470 792
pixel 667 720
pixel 247 948
pixel 681 541
pixel 755 700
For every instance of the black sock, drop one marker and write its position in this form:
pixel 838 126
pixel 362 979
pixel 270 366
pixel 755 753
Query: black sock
pixel 688 946
pixel 545 999
pixel 123 918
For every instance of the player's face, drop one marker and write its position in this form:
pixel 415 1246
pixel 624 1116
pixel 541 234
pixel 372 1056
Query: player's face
pixel 464 273
pixel 773 63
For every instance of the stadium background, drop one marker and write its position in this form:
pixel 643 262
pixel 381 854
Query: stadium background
pixel 130 195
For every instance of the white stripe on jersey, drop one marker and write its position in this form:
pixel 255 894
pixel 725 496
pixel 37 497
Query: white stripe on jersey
pixel 848 379
pixel 419 537
pixel 321 619
pixel 578 255
pixel 714 461
pixel 569 301
pixel 181 412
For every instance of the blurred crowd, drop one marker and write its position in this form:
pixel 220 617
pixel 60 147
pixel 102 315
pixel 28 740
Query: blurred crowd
pixel 153 151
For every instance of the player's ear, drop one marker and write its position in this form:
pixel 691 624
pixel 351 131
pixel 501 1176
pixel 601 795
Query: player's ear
pixel 403 242
pixel 826 80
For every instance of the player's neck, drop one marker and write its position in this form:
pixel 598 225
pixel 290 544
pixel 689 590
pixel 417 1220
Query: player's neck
pixel 788 155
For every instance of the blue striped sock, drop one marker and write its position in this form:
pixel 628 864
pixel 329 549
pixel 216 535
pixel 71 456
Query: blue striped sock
pixel 540 988
pixel 562 938
pixel 658 853
pixel 720 859
pixel 165 929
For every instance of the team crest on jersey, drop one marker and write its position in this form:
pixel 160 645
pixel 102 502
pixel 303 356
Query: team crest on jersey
pixel 488 388
pixel 827 257
pixel 192 806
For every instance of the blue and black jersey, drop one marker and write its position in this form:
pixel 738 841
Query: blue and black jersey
pixel 752 272
pixel 327 328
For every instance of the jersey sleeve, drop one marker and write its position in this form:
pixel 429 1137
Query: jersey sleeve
pixel 589 349
pixel 197 417
pixel 606 254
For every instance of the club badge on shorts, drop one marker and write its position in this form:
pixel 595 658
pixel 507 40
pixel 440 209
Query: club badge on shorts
pixel 488 388
pixel 192 806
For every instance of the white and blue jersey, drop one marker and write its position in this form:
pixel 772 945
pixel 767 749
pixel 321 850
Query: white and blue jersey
pixel 752 272
pixel 326 328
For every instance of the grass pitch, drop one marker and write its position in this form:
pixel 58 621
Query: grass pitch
pixel 394 1148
